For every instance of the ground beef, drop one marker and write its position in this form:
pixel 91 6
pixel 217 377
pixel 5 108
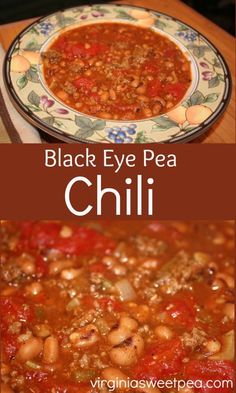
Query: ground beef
pixel 181 271
pixel 53 56
pixel 10 272
pixel 69 88
pixel 194 339
pixel 148 246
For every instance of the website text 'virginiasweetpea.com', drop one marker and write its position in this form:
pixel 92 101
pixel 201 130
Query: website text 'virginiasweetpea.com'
pixel 177 384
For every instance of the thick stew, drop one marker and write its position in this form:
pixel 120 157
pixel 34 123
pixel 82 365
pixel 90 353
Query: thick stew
pixel 115 300
pixel 116 71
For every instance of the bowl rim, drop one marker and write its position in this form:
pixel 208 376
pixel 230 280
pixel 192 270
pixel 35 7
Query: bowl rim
pixel 61 135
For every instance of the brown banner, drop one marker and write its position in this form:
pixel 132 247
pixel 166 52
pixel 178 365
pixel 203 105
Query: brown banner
pixel 147 185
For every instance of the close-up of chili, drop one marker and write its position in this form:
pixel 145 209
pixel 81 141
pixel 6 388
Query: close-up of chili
pixel 117 71
pixel 150 301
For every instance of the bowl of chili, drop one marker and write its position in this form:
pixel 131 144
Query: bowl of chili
pixel 116 74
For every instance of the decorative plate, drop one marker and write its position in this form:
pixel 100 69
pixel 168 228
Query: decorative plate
pixel 206 99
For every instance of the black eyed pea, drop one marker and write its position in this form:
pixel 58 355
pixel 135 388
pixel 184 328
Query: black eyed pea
pixel 85 337
pixel 128 352
pixel 127 326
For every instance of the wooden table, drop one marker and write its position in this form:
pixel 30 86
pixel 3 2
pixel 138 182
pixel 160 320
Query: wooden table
pixel 224 130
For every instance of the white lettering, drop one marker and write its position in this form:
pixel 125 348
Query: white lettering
pixel 67 196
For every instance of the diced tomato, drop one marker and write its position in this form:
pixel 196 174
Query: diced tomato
pixel 96 49
pixel 85 84
pixel 61 43
pixel 154 88
pixel 40 298
pixel 41 267
pixel 38 235
pixel 181 312
pixel 10 345
pixel 214 370
pixel 78 50
pixel 15 309
pixel 83 241
pixel 150 68
pixel 47 235
pixel 176 89
pixel 160 361
pixel 170 53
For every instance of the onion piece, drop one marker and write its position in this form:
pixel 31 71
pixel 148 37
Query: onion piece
pixel 125 289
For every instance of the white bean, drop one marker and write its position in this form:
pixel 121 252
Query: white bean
pixel 50 350
pixel 30 349
pixel 70 274
pixel 66 231
pixel 129 323
pixel 163 332
pixel 43 330
pixel 114 374
pixel 119 270
pixel 28 267
pixel 213 346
